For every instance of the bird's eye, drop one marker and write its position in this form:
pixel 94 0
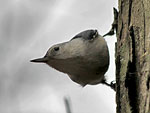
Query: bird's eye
pixel 56 48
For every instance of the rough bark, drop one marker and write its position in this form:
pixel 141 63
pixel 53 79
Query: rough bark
pixel 133 57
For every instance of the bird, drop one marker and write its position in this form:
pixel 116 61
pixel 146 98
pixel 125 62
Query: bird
pixel 84 58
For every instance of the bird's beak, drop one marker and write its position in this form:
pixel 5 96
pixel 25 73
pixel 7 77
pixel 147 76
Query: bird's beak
pixel 40 60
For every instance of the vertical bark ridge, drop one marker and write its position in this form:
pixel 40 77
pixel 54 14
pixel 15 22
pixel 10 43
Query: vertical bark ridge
pixel 133 57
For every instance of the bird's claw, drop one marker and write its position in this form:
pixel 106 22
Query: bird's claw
pixel 114 24
pixel 113 85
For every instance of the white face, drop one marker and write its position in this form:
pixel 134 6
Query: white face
pixel 78 48
pixel 54 51
pixel 67 50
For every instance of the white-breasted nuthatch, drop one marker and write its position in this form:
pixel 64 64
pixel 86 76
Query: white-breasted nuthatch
pixel 85 58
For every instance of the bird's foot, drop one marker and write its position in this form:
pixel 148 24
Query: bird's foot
pixel 114 24
pixel 111 85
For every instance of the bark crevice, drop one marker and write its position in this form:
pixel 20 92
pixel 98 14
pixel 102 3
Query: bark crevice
pixel 131 79
pixel 144 26
pixel 130 12
pixel 133 51
pixel 148 82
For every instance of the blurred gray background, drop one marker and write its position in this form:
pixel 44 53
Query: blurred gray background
pixel 27 29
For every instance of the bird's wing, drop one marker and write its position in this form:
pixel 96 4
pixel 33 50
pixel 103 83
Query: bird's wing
pixel 86 35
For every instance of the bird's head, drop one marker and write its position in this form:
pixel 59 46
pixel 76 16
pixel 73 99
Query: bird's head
pixel 77 47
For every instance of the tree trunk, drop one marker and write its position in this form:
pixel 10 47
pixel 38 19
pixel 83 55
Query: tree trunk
pixel 133 57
